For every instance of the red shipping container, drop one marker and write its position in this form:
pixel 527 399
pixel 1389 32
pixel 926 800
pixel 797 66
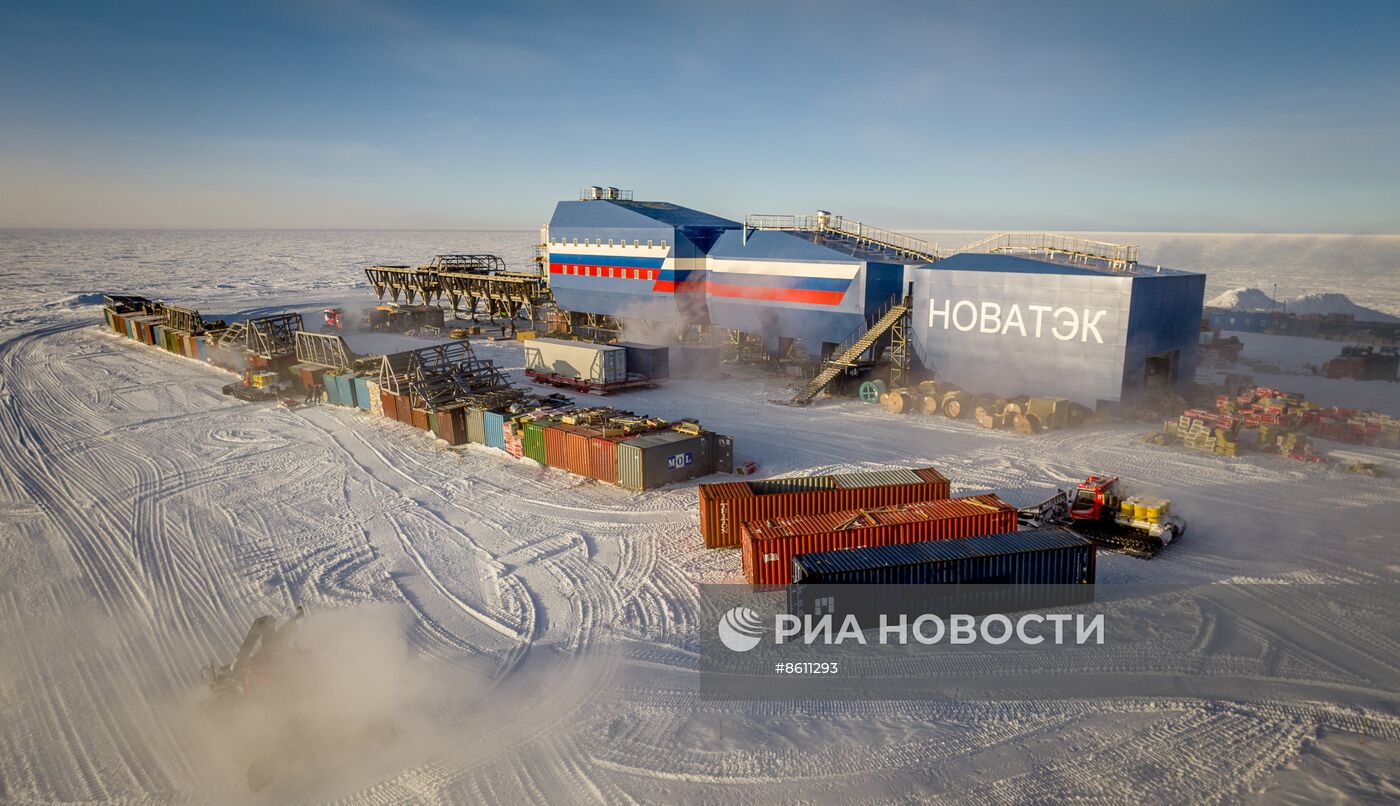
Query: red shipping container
pixel 602 463
pixel 404 407
pixel 389 401
pixel 769 545
pixel 419 418
pixel 452 424
pixel 724 506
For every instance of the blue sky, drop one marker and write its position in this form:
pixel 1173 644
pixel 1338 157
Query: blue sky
pixel 1177 116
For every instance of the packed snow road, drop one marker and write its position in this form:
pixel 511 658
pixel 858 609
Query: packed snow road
pixel 549 621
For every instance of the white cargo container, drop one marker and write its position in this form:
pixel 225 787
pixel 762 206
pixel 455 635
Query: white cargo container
pixel 596 363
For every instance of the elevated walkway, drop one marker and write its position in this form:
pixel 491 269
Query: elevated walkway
pixel 837 228
pixel 1117 257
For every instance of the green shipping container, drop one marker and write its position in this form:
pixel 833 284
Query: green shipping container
pixel 532 438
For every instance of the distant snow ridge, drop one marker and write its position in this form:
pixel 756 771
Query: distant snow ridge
pixel 1253 299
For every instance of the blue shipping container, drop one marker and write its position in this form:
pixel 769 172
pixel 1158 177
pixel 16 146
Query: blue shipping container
pixel 494 426
pixel 332 388
pixel 1050 555
pixel 647 360
pixel 362 392
pixel 345 389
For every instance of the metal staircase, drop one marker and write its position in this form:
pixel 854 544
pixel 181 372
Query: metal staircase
pixel 849 352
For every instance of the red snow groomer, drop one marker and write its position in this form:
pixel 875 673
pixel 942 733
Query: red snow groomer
pixel 1098 509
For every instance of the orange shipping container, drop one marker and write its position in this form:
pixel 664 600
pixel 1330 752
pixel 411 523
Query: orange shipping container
pixel 419 419
pixel 578 455
pixel 603 459
pixel 390 402
pixel 724 506
pixel 769 545
pixel 554 445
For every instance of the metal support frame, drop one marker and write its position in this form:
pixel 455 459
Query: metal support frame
pixel 442 374
pixel 900 350
pixel 597 327
pixel 324 349
pixel 273 336
pixel 472 279
pixel 185 320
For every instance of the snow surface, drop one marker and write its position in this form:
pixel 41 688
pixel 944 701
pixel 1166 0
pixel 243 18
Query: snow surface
pixel 1253 299
pixel 145 520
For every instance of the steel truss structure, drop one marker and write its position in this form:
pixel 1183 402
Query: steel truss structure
pixel 273 336
pixel 324 349
pixel 466 281
pixel 442 374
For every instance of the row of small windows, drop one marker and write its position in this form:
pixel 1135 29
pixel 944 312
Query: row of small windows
pixel 609 271
pixel 636 244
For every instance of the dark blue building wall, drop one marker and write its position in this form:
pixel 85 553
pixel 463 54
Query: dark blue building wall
pixel 1164 317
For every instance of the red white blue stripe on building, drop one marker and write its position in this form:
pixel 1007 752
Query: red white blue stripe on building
pixel 806 290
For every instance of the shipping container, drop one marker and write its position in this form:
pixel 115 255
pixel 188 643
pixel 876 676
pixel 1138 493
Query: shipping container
pixel 493 429
pixel 567 447
pixel 769 545
pixel 1051 555
pixel 532 439
pixel 1038 570
pixel 450 424
pixel 362 392
pixel 659 458
pixel 389 401
pixel 333 387
pixel 602 463
pixel 476 426
pixel 419 419
pixel 599 363
pixel 432 420
pixel 647 360
pixel 346 388
pixel 724 506
pixel 403 405
pixel 554 445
